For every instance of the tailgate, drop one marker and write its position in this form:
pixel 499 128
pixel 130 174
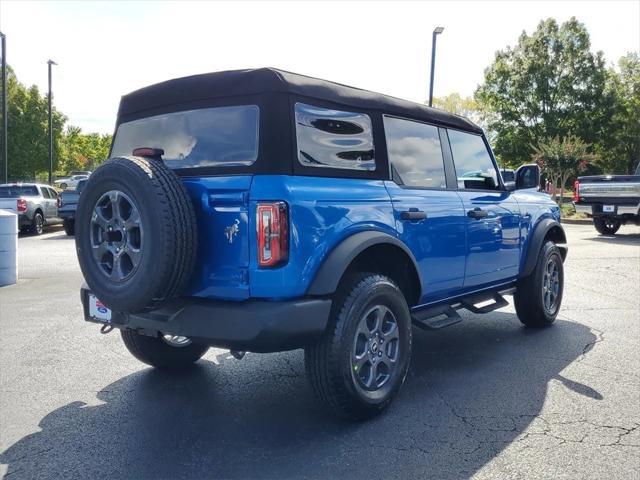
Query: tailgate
pixel 222 266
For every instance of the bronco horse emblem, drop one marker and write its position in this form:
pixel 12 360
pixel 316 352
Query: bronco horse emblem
pixel 232 230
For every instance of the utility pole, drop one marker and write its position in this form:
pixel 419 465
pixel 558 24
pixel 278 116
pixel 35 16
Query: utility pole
pixel 437 31
pixel 5 122
pixel 50 63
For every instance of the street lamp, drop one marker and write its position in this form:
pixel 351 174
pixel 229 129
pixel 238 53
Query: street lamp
pixel 50 63
pixel 436 32
pixel 5 157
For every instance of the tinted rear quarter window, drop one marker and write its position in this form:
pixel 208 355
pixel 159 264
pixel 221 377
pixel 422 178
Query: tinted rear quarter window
pixel 334 138
pixel 415 153
pixel 220 136
pixel 474 167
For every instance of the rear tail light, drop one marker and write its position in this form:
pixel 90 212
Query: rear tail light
pixel 22 205
pixel 273 234
pixel 59 202
pixel 576 191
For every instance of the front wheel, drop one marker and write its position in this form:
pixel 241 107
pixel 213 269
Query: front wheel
pixel 163 351
pixel 606 225
pixel 360 362
pixel 538 297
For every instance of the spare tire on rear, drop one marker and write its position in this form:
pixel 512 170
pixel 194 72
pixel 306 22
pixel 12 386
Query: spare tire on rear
pixel 136 235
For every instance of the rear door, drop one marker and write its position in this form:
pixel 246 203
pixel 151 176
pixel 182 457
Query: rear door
pixel 53 215
pixel 492 215
pixel 49 206
pixel 429 216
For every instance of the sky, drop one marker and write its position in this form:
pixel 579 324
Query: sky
pixel 107 49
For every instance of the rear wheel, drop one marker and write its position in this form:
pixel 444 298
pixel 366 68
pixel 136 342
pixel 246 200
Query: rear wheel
pixel 69 227
pixel 606 225
pixel 164 351
pixel 63 186
pixel 361 361
pixel 37 226
pixel 538 297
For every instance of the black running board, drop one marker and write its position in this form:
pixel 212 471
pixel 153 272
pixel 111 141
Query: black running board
pixel 440 316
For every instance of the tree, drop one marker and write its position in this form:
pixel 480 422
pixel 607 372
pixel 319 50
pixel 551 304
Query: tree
pixel 80 151
pixel 619 149
pixel 28 135
pixel 560 159
pixel 549 85
pixel 455 103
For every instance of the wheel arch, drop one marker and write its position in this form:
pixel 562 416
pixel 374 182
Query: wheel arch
pixel 372 251
pixel 547 229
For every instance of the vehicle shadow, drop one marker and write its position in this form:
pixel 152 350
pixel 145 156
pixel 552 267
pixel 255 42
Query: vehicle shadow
pixel 62 236
pixel 618 239
pixel 472 390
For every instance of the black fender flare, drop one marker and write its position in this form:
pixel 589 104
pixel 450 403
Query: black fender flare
pixel 535 243
pixel 331 270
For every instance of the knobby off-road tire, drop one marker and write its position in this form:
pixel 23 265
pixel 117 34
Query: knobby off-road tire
pixel 155 351
pixel 538 297
pixel 135 231
pixel 606 226
pixel 337 364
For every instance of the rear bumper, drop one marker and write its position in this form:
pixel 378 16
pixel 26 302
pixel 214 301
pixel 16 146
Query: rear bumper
pixel 24 220
pixel 67 214
pixel 253 325
pixel 595 209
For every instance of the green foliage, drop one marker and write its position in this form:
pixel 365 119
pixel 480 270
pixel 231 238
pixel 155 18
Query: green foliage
pixel 560 159
pixel 28 136
pixel 455 103
pixel 549 85
pixel 81 151
pixel 619 148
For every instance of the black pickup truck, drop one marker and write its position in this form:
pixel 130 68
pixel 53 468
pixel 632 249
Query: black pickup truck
pixel 67 204
pixel 612 200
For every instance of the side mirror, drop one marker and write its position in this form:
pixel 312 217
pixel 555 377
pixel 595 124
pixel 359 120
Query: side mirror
pixel 510 186
pixel 527 176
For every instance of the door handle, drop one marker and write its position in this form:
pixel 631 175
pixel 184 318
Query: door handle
pixel 413 214
pixel 477 213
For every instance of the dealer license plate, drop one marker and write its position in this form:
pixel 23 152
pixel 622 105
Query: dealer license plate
pixel 98 310
pixel 608 208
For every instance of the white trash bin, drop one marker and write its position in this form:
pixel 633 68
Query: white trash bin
pixel 8 248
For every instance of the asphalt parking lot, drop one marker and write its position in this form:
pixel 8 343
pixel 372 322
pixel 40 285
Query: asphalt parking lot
pixel 485 398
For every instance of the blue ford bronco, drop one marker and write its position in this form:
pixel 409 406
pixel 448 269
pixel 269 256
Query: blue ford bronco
pixel 261 210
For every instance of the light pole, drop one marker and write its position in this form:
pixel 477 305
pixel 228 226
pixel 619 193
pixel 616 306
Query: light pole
pixel 436 32
pixel 5 122
pixel 50 63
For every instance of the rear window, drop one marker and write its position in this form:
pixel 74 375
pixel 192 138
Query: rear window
pixel 221 136
pixel 18 191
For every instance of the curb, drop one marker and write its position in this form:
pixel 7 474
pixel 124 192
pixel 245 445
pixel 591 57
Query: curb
pixel 577 221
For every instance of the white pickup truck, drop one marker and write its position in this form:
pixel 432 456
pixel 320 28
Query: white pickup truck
pixel 611 200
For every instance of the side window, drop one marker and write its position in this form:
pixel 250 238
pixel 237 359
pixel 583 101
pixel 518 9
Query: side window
pixel 45 192
pixel 415 153
pixel 474 167
pixel 333 138
pixel 53 193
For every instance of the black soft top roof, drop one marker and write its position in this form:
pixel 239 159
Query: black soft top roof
pixel 269 81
